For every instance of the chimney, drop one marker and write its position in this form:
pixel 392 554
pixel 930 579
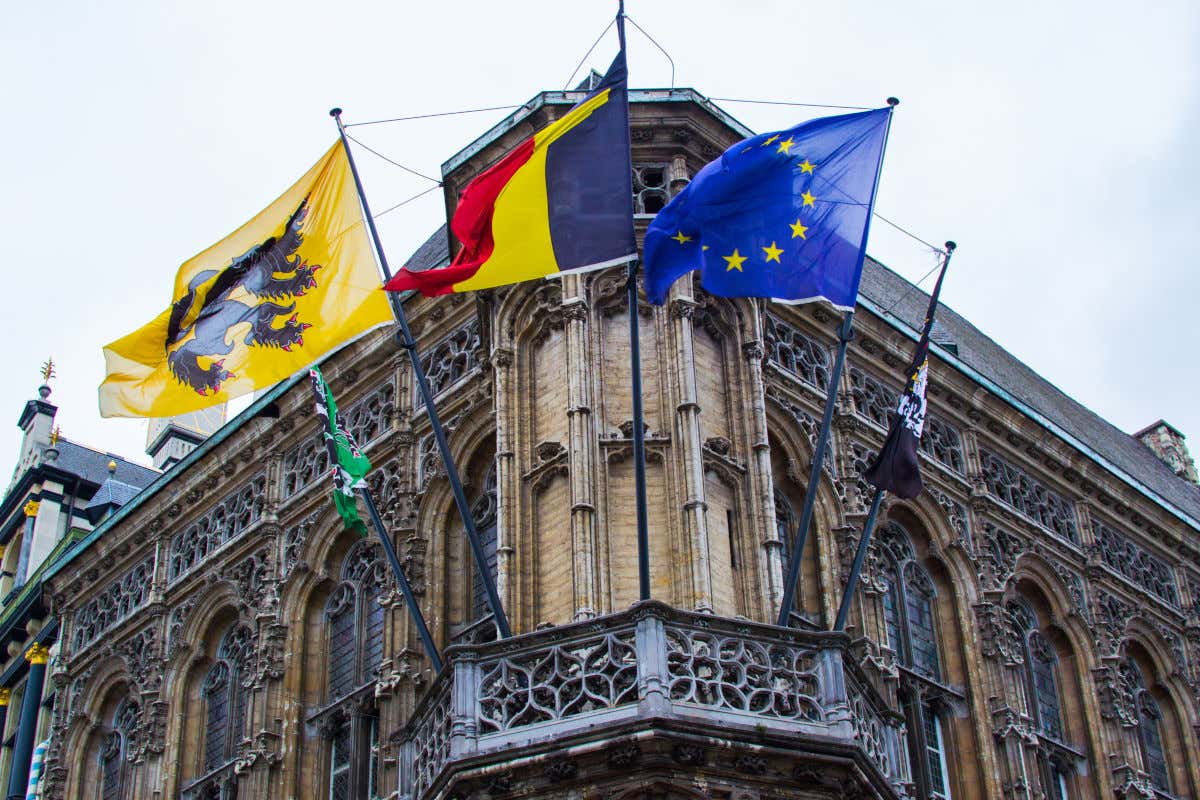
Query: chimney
pixel 170 439
pixel 1167 443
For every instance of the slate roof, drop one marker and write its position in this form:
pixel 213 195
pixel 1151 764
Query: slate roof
pixel 92 466
pixel 881 287
pixel 975 349
pixel 111 494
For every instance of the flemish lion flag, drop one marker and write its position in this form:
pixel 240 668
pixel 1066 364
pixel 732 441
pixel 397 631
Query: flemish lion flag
pixel 271 298
pixel 348 466
pixel 561 201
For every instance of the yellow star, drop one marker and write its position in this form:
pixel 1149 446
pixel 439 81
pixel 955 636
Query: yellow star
pixel 734 261
pixel 806 167
pixel 785 146
pixel 798 230
pixel 679 237
pixel 703 247
pixel 773 253
pixel 808 198
pixel 770 141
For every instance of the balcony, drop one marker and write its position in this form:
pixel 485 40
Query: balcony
pixel 657 689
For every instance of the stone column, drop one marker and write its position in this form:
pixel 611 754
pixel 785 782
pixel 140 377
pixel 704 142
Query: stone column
pixel 691 447
pixel 580 436
pixel 18 778
pixel 507 484
pixel 762 504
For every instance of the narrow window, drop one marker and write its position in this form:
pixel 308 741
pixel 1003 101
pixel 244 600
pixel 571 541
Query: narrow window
pixel 1153 754
pixel 1042 662
pixel 339 764
pixel 111 757
pixel 733 559
pixel 935 747
pixel 484 514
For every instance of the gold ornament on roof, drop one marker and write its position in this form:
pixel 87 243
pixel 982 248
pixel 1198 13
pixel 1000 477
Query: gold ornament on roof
pixel 48 370
pixel 31 508
pixel 55 435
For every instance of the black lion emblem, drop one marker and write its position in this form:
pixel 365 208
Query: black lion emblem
pixel 271 271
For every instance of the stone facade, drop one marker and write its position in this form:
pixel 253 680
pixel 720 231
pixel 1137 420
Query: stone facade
pixel 1027 628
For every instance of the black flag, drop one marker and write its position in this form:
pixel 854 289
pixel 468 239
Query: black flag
pixel 896 469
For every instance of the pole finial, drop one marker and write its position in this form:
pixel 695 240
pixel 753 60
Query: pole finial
pixel 893 101
pixel 951 246
pixel 335 112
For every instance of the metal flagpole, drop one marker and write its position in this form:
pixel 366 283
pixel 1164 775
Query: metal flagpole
pixel 845 334
pixel 869 527
pixel 635 367
pixel 405 589
pixel 405 337
pixel 856 568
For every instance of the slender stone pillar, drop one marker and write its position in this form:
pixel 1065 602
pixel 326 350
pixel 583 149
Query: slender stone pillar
pixel 18 778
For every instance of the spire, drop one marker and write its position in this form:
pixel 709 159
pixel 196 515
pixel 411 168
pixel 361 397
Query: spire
pixel 37 421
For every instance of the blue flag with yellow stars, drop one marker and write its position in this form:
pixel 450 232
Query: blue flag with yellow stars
pixel 781 215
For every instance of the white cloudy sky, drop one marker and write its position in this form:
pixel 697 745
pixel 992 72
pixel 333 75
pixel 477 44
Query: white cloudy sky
pixel 1055 141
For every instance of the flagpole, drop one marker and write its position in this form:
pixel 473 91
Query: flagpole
pixel 407 341
pixel 869 527
pixel 845 334
pixel 415 610
pixel 856 567
pixel 635 368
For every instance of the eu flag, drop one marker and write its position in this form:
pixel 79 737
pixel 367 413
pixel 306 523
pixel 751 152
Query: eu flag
pixel 781 215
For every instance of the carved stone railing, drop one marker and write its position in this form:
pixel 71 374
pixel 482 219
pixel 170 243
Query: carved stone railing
pixel 651 662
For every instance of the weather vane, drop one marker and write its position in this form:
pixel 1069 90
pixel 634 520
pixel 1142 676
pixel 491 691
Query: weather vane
pixel 48 370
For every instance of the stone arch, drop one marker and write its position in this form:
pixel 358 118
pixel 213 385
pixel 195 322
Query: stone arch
pixel 1035 583
pixel 791 455
pixel 109 691
pixel 1171 703
pixel 448 558
pixel 660 789
pixel 217 611
pixel 302 601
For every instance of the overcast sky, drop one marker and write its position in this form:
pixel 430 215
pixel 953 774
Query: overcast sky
pixel 1055 141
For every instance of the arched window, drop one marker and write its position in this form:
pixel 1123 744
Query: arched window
pixel 908 612
pixel 226 696
pixel 484 514
pixel 1150 735
pixel 355 623
pixel 355 620
pixel 114 750
pixel 1044 697
pixel 785 525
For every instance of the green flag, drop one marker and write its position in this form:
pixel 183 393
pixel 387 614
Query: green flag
pixel 348 465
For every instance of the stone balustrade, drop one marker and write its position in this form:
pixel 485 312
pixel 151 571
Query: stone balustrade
pixel 649 665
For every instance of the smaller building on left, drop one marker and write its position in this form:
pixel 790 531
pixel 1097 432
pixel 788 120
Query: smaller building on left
pixel 59 491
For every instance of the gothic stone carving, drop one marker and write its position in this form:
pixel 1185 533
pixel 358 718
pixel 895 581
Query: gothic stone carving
pixel 118 600
pixel 226 521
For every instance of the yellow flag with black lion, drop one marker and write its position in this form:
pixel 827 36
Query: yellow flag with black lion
pixel 289 286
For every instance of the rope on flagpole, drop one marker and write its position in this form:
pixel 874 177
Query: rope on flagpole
pixel 661 49
pixel 787 103
pixel 392 161
pixel 416 196
pixel 430 116
pixel 575 71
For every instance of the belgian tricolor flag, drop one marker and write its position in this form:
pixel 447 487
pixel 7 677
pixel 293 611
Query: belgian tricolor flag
pixel 562 200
